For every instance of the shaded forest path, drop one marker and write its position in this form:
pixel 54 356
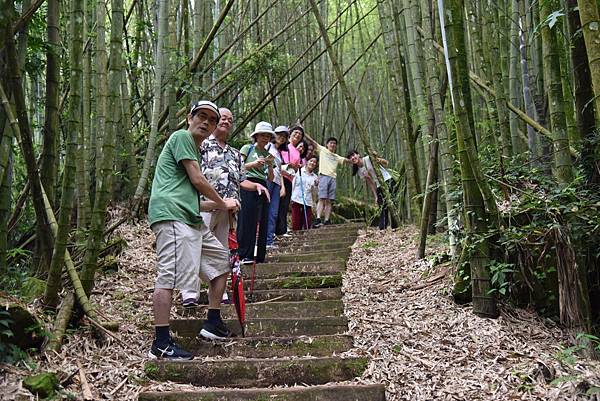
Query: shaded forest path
pixel 295 333
pixel 391 324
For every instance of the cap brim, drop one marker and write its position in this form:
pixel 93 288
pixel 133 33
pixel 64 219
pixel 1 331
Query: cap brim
pixel 262 132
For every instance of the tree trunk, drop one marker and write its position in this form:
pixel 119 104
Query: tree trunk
pixel 82 155
pixel 532 139
pixel 69 173
pixel 563 169
pixel 590 22
pixel 20 125
pixel 156 105
pixel 97 225
pixel 513 78
pixel 49 165
pixel 498 82
pixel 476 219
pixel 101 99
pixel 448 178
pixel 350 99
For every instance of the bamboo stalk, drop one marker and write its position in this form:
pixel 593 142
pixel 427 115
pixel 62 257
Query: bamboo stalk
pixel 520 113
pixel 349 97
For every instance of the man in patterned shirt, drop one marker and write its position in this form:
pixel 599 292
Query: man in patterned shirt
pixel 224 169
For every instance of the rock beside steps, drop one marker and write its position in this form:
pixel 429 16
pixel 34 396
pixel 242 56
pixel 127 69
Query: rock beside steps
pixel 295 332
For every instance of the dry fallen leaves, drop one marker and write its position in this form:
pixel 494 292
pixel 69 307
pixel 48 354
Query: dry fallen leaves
pixel 421 344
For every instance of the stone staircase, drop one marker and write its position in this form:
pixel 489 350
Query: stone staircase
pixel 295 331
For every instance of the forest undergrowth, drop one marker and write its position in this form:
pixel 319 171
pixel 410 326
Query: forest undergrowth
pixel 421 343
pixel 424 346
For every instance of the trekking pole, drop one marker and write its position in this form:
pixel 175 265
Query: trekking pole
pixel 303 200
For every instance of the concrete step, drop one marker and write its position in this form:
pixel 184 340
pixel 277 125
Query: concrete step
pixel 308 249
pixel 279 327
pixel 349 229
pixel 269 347
pixel 308 294
pixel 253 372
pixel 339 392
pixel 298 294
pixel 330 281
pixel 332 307
pixel 326 239
pixel 324 256
pixel 296 269
pixel 311 246
pixel 319 237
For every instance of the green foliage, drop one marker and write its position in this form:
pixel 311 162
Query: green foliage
pixel 527 384
pixel 17 270
pixel 43 385
pixel 370 245
pixel 499 277
pixel 537 219
pixel 9 353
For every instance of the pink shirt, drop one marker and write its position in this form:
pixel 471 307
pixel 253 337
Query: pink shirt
pixel 290 156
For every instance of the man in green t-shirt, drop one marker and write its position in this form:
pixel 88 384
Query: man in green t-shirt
pixel 186 249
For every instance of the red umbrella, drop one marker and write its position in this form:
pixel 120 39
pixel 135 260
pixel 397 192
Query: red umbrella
pixel 237 281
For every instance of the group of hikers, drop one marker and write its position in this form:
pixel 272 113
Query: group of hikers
pixel 202 187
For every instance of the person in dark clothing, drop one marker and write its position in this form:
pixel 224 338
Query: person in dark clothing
pixel 259 169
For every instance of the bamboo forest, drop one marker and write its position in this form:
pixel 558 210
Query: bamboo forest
pixel 294 200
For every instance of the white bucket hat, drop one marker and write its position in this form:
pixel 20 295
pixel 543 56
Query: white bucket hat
pixel 263 127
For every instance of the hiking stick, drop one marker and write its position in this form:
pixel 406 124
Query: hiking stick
pixel 255 253
pixel 303 200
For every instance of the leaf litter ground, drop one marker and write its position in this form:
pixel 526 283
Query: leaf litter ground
pixel 422 345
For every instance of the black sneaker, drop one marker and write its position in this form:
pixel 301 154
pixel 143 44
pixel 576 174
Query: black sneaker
pixel 170 351
pixel 327 223
pixel 317 223
pixel 218 331
pixel 246 261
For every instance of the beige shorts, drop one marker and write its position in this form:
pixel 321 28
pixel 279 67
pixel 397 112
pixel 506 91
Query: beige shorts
pixel 218 223
pixel 187 253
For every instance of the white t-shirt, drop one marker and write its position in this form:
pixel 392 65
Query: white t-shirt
pixel 272 148
pixel 368 170
pixel 306 181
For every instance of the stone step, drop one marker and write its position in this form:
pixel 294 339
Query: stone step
pixel 301 250
pixel 330 281
pixel 301 294
pixel 269 347
pixel 253 372
pixel 296 269
pixel 298 294
pixel 316 236
pixel 332 307
pixel 312 245
pixel 324 256
pixel 278 327
pixel 337 392
pixel 307 235
pixel 338 229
